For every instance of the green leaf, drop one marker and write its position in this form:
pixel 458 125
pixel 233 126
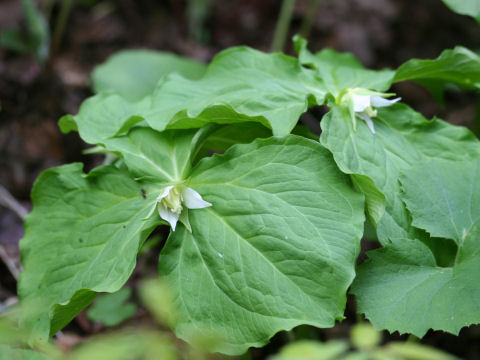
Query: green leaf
pixel 10 353
pixel 414 351
pixel 465 7
pixel 402 138
pixel 340 71
pixel 134 74
pixel 444 197
pixel 277 249
pixel 313 350
pixel 401 288
pixel 103 116
pixel 241 84
pixel 38 30
pixel 159 157
pixel 458 66
pixel 140 344
pixel 112 309
pixel 89 243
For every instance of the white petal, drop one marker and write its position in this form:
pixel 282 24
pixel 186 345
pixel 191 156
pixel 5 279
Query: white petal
pixel 360 102
pixel 193 200
pixel 378 101
pixel 368 120
pixel 168 215
pixel 165 192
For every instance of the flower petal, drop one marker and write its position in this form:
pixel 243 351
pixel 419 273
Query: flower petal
pixel 368 120
pixel 168 215
pixel 360 102
pixel 193 200
pixel 378 101
pixel 165 192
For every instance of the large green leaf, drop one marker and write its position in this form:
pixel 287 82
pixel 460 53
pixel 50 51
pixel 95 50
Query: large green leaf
pixel 340 71
pixel 241 84
pixel 402 287
pixel 444 197
pixel 164 157
pixel 402 138
pixel 276 249
pixel 133 74
pixel 103 116
pixel 82 237
pixel 458 66
pixel 465 7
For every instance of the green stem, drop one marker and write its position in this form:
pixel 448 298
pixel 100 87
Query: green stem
pixel 61 24
pixel 309 18
pixel 283 25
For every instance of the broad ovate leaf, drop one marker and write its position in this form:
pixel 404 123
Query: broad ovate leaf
pixel 81 238
pixel 241 84
pixel 103 116
pixel 133 74
pixel 403 287
pixel 400 288
pixel 340 71
pixel 275 250
pixel 444 197
pixel 458 66
pixel 402 138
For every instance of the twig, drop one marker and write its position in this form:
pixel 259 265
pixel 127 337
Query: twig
pixel 283 25
pixel 7 200
pixel 11 264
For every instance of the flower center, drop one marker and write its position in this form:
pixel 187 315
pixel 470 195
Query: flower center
pixel 173 201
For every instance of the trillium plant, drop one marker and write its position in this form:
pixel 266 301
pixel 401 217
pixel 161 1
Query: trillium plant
pixel 265 216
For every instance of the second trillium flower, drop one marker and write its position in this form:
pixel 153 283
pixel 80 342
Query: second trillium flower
pixel 363 107
pixel 173 199
pixel 362 103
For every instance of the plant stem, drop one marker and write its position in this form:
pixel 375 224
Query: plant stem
pixel 309 18
pixel 283 25
pixel 61 24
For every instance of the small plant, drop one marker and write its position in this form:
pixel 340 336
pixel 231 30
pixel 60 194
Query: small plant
pixel 265 236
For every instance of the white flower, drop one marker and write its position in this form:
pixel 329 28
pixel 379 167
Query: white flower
pixel 361 102
pixel 172 200
pixel 363 107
